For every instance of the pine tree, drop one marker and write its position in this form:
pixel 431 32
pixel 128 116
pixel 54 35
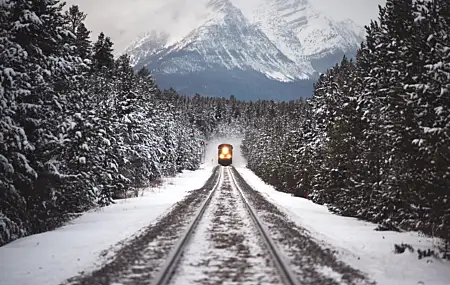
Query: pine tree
pixel 79 33
pixel 125 76
pixel 83 42
pixel 75 18
pixel 429 98
pixel 103 58
pixel 13 140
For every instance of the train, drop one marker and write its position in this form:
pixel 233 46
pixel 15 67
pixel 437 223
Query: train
pixel 225 155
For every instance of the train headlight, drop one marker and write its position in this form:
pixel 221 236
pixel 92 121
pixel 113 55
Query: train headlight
pixel 221 156
pixel 228 155
pixel 225 150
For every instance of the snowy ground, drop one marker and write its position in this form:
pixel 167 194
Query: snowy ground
pixel 52 257
pixel 226 247
pixel 357 243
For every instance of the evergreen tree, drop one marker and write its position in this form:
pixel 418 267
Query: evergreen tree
pixel 103 58
pixel 79 34
pixel 372 142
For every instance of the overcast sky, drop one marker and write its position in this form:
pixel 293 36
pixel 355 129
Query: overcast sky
pixel 125 20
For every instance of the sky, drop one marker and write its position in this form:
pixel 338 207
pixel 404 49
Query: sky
pixel 125 20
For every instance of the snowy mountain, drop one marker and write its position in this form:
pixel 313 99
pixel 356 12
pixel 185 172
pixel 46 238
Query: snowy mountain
pixel 147 45
pixel 273 51
pixel 301 32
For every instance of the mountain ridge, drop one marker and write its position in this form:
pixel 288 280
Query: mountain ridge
pixel 286 41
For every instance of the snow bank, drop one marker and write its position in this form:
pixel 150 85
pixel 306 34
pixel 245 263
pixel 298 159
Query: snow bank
pixel 357 242
pixel 52 257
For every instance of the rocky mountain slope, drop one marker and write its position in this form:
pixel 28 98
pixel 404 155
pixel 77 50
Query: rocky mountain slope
pixel 273 51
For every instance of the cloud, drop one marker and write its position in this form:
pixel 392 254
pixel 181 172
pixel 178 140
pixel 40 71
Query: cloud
pixel 360 11
pixel 125 20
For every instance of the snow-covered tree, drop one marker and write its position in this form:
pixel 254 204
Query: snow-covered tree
pixel 373 140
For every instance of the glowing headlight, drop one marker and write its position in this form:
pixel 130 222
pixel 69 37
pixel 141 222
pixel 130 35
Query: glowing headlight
pixel 221 155
pixel 225 150
pixel 228 155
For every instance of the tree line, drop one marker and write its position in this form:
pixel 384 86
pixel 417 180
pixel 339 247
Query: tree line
pixel 79 128
pixel 373 142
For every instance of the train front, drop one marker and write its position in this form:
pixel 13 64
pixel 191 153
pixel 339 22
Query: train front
pixel 225 156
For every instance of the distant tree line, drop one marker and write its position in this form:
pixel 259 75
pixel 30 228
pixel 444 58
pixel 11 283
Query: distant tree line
pixel 374 140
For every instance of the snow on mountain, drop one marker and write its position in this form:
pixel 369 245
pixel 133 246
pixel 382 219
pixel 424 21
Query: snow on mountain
pixel 300 31
pixel 226 40
pixel 146 46
pixel 283 40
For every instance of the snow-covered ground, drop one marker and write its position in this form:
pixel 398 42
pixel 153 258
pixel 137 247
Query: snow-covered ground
pixel 52 257
pixel 225 247
pixel 358 243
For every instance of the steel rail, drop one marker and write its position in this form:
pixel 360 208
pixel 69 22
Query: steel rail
pixel 165 274
pixel 283 268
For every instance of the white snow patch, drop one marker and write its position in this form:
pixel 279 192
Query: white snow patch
pixel 278 76
pixel 439 110
pixel 357 242
pixel 329 272
pixel 52 257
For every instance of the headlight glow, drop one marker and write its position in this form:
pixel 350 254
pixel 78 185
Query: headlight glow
pixel 225 150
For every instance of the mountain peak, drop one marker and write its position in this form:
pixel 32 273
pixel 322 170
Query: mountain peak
pixel 313 33
pixel 220 11
pixel 219 5
pixel 228 41
pixel 286 41
pixel 148 44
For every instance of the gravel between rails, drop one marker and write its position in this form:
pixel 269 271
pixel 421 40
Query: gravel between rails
pixel 312 263
pixel 137 260
pixel 226 247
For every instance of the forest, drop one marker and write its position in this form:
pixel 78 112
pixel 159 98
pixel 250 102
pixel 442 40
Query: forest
pixel 80 128
pixel 373 142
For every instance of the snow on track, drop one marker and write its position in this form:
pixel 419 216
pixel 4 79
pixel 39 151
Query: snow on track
pixel 312 263
pixel 356 242
pixel 226 246
pixel 87 242
pixel 137 260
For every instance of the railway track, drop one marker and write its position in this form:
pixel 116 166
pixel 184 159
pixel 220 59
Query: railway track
pixel 226 209
pixel 215 236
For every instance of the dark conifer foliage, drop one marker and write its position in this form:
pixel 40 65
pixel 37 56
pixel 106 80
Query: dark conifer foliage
pixel 103 58
pixel 373 142
pixel 79 128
